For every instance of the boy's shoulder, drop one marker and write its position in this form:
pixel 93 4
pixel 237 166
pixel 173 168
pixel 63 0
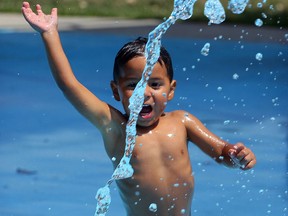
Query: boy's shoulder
pixel 180 113
pixel 177 114
pixel 181 116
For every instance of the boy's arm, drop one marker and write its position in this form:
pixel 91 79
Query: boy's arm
pixel 230 155
pixel 98 112
pixel 82 99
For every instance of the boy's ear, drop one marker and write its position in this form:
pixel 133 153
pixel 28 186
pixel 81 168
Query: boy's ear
pixel 172 90
pixel 115 92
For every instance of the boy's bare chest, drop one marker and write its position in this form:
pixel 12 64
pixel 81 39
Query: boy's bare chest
pixel 160 144
pixel 168 140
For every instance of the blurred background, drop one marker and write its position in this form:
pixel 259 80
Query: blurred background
pixel 272 12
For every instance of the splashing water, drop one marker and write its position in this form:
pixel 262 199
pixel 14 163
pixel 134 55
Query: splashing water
pixel 214 11
pixel 258 22
pixel 183 211
pixel 183 9
pixel 235 76
pixel 205 50
pixel 259 56
pixel 103 201
pixel 237 6
pixel 153 207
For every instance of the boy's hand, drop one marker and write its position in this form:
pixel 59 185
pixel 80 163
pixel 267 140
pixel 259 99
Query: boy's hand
pixel 242 156
pixel 40 21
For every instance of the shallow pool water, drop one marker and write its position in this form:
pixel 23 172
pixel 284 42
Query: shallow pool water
pixel 53 160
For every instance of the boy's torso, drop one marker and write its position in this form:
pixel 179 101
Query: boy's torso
pixel 162 170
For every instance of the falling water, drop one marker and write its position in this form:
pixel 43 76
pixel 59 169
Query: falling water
pixel 237 6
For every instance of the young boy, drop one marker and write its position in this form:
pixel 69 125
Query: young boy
pixel 162 170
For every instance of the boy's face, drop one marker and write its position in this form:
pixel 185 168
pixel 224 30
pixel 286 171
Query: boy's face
pixel 158 92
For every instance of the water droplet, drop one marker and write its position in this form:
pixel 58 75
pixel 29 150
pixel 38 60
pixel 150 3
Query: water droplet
pixel 259 56
pixel 271 7
pixel 123 170
pixel 205 49
pixel 214 11
pixel 113 158
pixel 153 207
pixel 103 200
pixel 259 5
pixel 235 76
pixel 226 122
pixel 237 6
pixel 183 211
pixel 221 158
pixel 264 15
pixel 219 88
pixel 258 22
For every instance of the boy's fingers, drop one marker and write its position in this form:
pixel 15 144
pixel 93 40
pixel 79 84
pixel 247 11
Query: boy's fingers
pixel 239 146
pixel 26 5
pixel 233 155
pixel 248 159
pixel 54 12
pixel 242 154
pixel 27 11
pixel 39 9
pixel 249 165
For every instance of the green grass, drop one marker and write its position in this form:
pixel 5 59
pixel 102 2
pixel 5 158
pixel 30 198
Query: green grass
pixel 275 10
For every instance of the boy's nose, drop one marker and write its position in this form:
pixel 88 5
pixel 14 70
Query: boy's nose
pixel 147 93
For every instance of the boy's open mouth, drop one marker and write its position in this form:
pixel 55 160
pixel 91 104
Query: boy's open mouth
pixel 146 111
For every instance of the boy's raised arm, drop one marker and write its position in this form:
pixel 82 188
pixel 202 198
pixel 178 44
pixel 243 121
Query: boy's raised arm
pixel 84 101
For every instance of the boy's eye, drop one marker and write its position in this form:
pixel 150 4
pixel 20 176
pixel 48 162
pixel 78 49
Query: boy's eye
pixel 155 85
pixel 131 85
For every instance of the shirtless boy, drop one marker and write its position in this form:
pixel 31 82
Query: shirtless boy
pixel 162 170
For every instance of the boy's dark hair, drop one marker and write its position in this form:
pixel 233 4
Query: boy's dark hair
pixel 137 48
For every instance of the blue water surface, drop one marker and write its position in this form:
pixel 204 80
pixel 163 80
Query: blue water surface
pixel 53 160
